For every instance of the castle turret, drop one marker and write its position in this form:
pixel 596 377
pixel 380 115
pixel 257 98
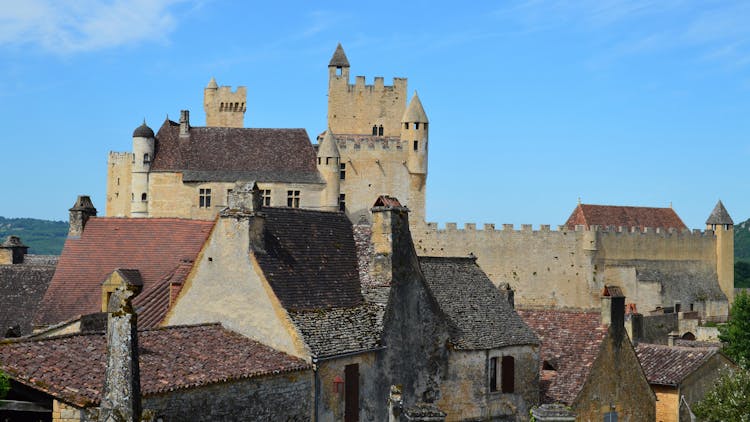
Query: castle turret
pixel 82 210
pixel 414 132
pixel 338 67
pixel 329 167
pixel 143 154
pixel 224 107
pixel 721 223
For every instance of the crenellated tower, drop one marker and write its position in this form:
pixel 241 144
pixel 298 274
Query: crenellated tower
pixel 224 107
pixel 414 131
pixel 721 223
pixel 143 153
pixel 328 166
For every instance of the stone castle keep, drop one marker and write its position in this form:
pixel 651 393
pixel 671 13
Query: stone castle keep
pixel 377 144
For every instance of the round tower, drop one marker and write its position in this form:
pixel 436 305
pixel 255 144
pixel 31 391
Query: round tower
pixel 143 155
pixel 414 132
pixel 329 167
pixel 723 226
pixel 209 95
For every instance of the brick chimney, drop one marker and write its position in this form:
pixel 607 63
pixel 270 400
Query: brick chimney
pixel 82 210
pixel 12 251
pixel 613 310
pixel 245 203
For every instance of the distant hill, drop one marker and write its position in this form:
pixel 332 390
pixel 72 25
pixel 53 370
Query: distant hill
pixel 43 237
pixel 742 254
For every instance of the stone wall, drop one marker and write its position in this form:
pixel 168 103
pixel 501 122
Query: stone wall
pixel 355 108
pixel 331 403
pixel 285 397
pixel 667 403
pixel 119 174
pixel 224 107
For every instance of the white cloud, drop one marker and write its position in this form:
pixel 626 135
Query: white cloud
pixel 69 26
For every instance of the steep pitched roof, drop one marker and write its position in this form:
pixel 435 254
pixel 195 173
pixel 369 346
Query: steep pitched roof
pixel 670 365
pixel 22 288
pixel 621 216
pixel 414 111
pixel 570 344
pixel 480 315
pixel 153 246
pixel 719 215
pixel 72 367
pixel 310 259
pixel 339 58
pixel 229 154
pixel 341 330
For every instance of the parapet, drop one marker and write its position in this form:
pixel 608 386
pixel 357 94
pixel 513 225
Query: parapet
pixel 119 157
pixel 546 228
pixel 379 84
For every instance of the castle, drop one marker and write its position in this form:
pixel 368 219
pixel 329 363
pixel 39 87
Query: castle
pixel 377 144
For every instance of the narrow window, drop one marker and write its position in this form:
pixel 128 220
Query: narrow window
pixel 319 161
pixel 221 107
pixel 406 125
pixel 374 130
pixel 328 160
pixel 132 197
pixel 425 126
pixel 204 198
pixel 493 374
pixel 509 374
pixel 143 197
pixel 229 193
pixel 342 202
pixel 266 197
pixel 118 181
pixel 242 107
pixel 146 158
pixel 380 130
pixel 351 394
pixel 342 171
pixel 338 70
pixel 416 145
pixel 416 125
pixel 292 198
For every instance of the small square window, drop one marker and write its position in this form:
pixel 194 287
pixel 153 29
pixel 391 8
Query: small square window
pixel 266 197
pixel 204 198
pixel 342 202
pixel 292 198
pixel 342 171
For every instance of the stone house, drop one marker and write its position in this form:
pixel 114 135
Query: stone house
pixel 198 373
pixel 589 363
pixel 681 376
pixel 23 280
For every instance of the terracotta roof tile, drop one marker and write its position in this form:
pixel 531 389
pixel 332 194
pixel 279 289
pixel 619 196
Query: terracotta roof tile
pixel 153 246
pixel 669 365
pixel 72 367
pixel 230 154
pixel 621 216
pixel 570 344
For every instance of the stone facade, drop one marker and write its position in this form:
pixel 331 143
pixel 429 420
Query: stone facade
pixel 224 107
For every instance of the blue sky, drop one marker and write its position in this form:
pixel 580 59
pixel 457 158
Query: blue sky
pixel 532 103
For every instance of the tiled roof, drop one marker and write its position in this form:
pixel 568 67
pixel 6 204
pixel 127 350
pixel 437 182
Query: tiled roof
pixel 310 259
pixel 230 154
pixel 570 344
pixel 22 288
pixel 342 330
pixel 620 216
pixel 152 304
pixel 669 365
pixel 153 246
pixel 72 367
pixel 339 57
pixel 719 215
pixel 479 314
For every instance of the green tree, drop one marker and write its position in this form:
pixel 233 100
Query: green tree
pixel 729 401
pixel 742 274
pixel 4 385
pixel 736 332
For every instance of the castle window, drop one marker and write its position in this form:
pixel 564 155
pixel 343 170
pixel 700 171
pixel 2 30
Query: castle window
pixel 380 130
pixel 118 181
pixel 292 198
pixel 342 202
pixel 328 160
pixel 229 193
pixel 319 161
pixel 406 125
pixel 508 371
pixel 425 126
pixel 338 70
pixel 132 197
pixel 493 374
pixel 416 145
pixel 374 130
pixel 146 158
pixel 266 197
pixel 342 171
pixel 416 125
pixel 221 107
pixel 204 198
pixel 143 197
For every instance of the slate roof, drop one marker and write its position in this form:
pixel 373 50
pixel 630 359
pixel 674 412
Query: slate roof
pixel 339 58
pixel 341 330
pixel 621 216
pixel 414 111
pixel 22 288
pixel 231 154
pixel 670 365
pixel 570 343
pixel 72 367
pixel 310 259
pixel 153 246
pixel 719 215
pixel 479 314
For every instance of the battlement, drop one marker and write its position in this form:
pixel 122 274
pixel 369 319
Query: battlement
pixel 370 142
pixel 378 85
pixel 227 90
pixel 119 157
pixel 546 228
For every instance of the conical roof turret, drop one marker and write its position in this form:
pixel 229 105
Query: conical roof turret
pixel 339 58
pixel 719 215
pixel 327 147
pixel 415 112
pixel 212 84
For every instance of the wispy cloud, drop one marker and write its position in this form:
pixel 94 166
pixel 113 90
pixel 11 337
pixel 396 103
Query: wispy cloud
pixel 70 26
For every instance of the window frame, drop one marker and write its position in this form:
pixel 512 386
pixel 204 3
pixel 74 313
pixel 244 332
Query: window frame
pixel 204 198
pixel 293 198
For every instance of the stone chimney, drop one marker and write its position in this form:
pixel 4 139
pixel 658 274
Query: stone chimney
pixel 613 310
pixel 389 217
pixel 634 323
pixel 246 203
pixel 121 400
pixel 184 123
pixel 82 210
pixel 12 251
pixel 672 336
pixel 509 294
